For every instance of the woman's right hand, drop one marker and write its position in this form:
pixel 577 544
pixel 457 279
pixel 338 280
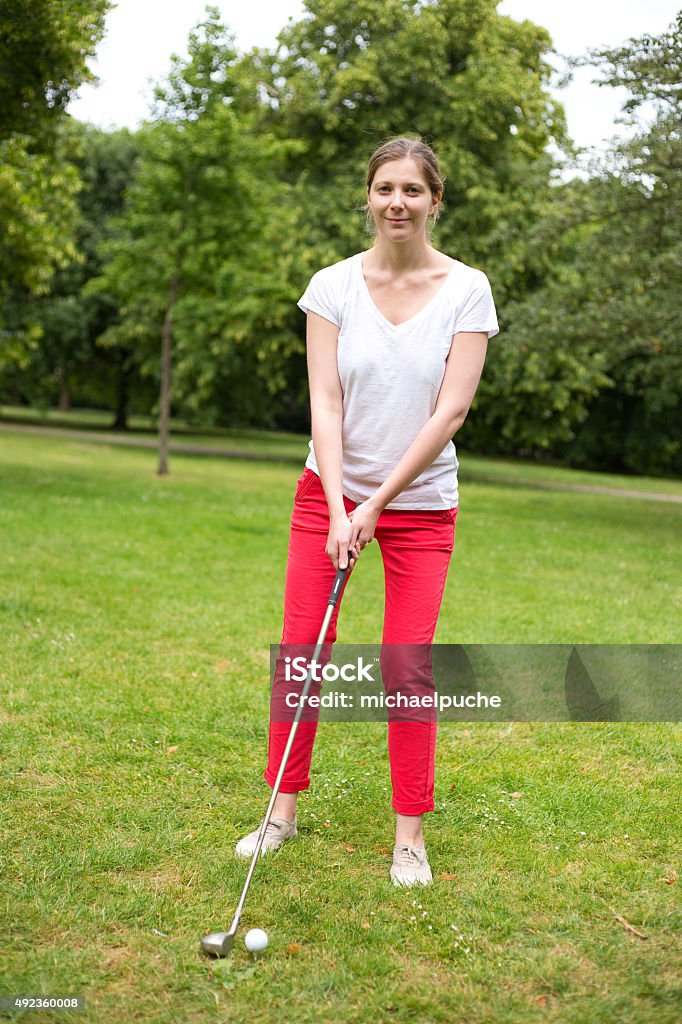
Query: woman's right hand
pixel 338 542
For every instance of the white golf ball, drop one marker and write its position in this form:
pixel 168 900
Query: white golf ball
pixel 256 940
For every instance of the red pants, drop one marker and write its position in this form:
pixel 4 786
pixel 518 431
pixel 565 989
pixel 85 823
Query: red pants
pixel 416 547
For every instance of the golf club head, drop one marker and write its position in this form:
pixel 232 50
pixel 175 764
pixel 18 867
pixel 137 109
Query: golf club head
pixel 218 944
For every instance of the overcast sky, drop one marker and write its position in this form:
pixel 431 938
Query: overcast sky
pixel 141 35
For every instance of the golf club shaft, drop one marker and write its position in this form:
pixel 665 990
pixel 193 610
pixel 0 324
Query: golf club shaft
pixel 335 594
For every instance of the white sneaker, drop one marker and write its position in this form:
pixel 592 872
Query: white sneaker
pixel 410 865
pixel 277 831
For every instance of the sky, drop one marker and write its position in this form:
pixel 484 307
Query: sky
pixel 141 35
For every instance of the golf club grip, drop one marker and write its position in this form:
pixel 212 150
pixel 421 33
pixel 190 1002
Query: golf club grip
pixel 338 583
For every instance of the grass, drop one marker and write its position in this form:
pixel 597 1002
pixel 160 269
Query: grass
pixel 281 444
pixel 294 447
pixel 135 618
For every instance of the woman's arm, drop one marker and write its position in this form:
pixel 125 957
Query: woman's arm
pixel 462 373
pixel 326 408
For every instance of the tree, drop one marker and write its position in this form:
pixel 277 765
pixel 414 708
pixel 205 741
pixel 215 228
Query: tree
pixel 589 369
pixel 471 82
pixel 44 48
pixel 68 359
pixel 638 201
pixel 192 261
pixel 347 76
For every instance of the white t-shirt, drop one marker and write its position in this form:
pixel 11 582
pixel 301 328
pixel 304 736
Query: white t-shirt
pixel 391 375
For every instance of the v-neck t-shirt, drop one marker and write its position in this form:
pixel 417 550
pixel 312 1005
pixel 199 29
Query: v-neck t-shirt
pixel 391 375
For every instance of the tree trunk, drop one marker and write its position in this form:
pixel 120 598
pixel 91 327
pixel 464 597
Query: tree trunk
pixel 122 396
pixel 164 405
pixel 166 335
pixel 64 398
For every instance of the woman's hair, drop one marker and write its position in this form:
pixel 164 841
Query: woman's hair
pixel 397 149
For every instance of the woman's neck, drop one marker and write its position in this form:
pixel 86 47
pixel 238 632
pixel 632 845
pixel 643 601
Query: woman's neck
pixel 401 258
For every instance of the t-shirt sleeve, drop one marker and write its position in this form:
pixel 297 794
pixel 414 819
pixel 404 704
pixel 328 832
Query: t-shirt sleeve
pixel 477 312
pixel 321 298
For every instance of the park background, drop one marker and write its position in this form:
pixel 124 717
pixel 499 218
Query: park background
pixel 209 220
pixel 141 592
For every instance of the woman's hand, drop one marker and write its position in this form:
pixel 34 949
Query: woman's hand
pixel 364 521
pixel 339 543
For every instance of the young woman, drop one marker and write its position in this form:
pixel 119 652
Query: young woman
pixel 396 342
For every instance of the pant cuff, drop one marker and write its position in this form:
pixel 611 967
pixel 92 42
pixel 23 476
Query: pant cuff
pixel 422 807
pixel 287 787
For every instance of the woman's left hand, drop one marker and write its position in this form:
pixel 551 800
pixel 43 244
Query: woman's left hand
pixel 364 519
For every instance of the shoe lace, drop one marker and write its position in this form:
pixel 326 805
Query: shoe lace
pixel 407 856
pixel 274 828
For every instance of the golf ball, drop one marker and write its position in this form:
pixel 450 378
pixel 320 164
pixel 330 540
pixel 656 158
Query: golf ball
pixel 256 940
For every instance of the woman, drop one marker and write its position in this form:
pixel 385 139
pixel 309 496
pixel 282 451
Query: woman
pixel 396 342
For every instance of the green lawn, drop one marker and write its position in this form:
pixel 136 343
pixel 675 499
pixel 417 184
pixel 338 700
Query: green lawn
pixel 279 444
pixel 136 614
pixel 294 447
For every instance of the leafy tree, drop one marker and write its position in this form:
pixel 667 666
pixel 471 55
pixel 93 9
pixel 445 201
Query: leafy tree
pixel 591 360
pixel 637 424
pixel 38 212
pixel 347 76
pixel 197 261
pixel 68 360
pixel 468 80
pixel 44 48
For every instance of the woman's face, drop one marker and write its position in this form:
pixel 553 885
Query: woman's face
pixel 400 200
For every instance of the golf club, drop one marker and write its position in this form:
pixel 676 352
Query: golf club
pixel 220 943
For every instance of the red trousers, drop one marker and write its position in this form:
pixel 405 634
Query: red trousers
pixel 416 547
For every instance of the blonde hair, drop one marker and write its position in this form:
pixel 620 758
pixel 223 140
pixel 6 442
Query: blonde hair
pixel 397 149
